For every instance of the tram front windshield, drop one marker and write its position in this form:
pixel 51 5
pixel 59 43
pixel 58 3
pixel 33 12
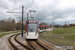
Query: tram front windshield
pixel 32 27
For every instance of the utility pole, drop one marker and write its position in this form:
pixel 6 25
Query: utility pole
pixel 22 19
pixel 38 21
pixel 65 25
pixel 22 16
pixel 53 24
pixel 27 16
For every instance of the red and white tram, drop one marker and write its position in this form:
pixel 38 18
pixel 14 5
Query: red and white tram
pixel 42 27
pixel 31 29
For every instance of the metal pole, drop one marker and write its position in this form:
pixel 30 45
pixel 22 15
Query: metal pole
pixel 38 21
pixel 38 24
pixel 22 19
pixel 27 16
pixel 27 20
pixel 65 25
pixel 53 24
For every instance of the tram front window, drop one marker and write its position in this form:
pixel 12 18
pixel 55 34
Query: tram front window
pixel 32 27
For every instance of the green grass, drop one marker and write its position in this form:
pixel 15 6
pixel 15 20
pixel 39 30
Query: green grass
pixel 60 37
pixel 70 37
pixel 1 35
pixel 47 32
pixel 63 30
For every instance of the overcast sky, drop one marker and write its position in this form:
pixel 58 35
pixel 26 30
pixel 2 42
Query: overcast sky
pixel 46 10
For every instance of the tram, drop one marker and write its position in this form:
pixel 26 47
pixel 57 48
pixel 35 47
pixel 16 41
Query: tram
pixel 42 27
pixel 31 29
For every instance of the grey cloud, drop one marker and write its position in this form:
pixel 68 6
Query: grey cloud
pixel 4 4
pixel 62 14
pixel 41 13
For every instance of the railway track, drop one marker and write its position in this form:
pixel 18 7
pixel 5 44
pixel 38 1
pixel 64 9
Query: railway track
pixel 15 47
pixel 37 45
pixel 33 44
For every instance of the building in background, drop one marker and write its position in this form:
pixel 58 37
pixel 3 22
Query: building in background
pixel 24 21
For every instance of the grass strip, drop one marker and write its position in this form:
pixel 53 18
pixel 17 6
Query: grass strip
pixel 1 35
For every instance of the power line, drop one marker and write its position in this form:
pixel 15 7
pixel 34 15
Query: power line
pixel 14 4
pixel 32 5
pixel 13 12
pixel 15 8
pixel 22 17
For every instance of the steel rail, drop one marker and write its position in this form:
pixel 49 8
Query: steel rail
pixel 42 45
pixel 21 43
pixel 15 48
pixel 39 45
pixel 13 45
pixel 32 45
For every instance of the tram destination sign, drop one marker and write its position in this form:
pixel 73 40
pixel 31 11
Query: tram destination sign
pixel 31 21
